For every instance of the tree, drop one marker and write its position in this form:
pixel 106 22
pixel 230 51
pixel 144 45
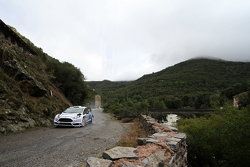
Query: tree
pixel 70 80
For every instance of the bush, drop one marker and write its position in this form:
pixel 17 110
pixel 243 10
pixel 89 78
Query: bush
pixel 219 140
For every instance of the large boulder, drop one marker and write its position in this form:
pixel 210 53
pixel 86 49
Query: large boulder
pixel 119 152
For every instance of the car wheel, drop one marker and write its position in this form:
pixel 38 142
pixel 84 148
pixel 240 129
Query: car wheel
pixel 83 122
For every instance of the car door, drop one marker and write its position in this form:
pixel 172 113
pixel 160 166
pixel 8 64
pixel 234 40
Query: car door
pixel 86 114
pixel 90 115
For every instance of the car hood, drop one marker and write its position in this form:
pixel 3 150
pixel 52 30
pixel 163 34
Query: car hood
pixel 68 115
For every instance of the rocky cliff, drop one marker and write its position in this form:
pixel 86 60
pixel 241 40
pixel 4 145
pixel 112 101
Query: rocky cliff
pixel 28 98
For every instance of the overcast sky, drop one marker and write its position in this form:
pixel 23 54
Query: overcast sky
pixel 124 39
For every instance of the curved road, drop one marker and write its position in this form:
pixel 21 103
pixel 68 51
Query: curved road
pixel 60 146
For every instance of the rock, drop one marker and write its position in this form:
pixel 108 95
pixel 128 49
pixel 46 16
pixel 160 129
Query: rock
pixel 3 89
pixel 142 141
pixel 31 123
pixel 164 148
pixel 150 140
pixel 2 102
pixel 160 135
pixel 131 165
pixel 45 122
pixel 126 120
pixel 172 160
pixel 28 121
pixel 98 162
pixel 32 87
pixel 180 135
pixel 2 130
pixel 171 128
pixel 22 110
pixel 173 145
pixel 13 128
pixel 14 69
pixel 119 152
pixel 127 163
pixel 155 160
pixel 173 139
pixel 27 82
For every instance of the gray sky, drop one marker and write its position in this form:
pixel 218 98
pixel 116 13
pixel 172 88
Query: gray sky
pixel 124 39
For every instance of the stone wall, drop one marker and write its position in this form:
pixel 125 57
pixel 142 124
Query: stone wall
pixel 164 146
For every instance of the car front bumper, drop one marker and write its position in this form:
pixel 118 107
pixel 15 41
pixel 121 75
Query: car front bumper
pixel 70 124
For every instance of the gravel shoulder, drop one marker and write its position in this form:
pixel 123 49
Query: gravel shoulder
pixel 61 146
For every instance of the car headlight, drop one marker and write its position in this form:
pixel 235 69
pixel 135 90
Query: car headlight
pixel 57 117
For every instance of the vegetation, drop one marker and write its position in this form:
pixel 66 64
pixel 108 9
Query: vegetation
pixel 129 139
pixel 219 140
pixel 34 86
pixel 64 75
pixel 70 80
pixel 196 84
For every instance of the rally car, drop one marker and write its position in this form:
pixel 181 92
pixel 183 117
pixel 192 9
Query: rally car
pixel 75 116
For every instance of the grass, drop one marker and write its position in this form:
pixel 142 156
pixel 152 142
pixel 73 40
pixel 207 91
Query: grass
pixel 129 139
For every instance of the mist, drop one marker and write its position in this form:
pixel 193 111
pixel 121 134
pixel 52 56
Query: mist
pixel 125 39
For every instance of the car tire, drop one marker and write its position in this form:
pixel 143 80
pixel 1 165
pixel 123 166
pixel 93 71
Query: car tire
pixel 83 122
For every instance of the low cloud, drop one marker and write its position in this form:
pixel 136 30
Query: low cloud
pixel 124 39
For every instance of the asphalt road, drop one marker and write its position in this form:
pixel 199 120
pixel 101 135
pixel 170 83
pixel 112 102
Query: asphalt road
pixel 60 146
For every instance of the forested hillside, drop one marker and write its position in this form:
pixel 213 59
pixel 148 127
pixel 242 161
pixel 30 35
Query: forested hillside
pixel 195 83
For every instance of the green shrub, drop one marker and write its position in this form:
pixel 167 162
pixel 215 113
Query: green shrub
pixel 219 140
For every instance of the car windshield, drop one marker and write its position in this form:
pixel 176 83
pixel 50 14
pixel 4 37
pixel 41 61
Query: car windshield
pixel 73 110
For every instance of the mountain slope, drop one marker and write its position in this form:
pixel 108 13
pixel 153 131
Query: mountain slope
pixel 31 89
pixel 194 76
pixel 106 85
pixel 187 84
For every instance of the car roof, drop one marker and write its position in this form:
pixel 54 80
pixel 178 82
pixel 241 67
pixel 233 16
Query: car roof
pixel 78 107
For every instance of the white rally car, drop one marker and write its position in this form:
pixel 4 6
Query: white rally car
pixel 75 116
